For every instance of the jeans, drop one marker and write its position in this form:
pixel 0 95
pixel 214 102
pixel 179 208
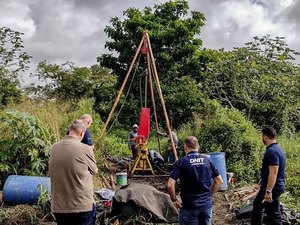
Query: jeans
pixel 195 216
pixel 272 209
pixel 82 218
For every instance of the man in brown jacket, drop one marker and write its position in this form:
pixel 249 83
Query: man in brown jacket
pixel 71 167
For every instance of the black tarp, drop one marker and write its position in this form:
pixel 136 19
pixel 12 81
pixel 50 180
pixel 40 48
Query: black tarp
pixel 148 198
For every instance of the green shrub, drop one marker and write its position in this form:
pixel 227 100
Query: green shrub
pixel 113 145
pixel 24 144
pixel 58 115
pixel 226 130
pixel 52 114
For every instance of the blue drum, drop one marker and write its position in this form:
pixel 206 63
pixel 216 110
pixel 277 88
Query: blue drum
pixel 24 189
pixel 218 158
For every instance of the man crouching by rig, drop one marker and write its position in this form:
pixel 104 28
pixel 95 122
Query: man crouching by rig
pixel 71 167
pixel 199 180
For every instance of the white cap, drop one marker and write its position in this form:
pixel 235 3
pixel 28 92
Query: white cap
pixel 135 126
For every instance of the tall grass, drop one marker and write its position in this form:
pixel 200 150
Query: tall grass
pixel 52 114
pixel 292 148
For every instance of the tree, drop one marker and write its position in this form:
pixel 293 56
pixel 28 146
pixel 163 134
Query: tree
pixel 68 82
pixel 259 79
pixel 174 35
pixel 12 60
pixel 174 39
pixel 184 99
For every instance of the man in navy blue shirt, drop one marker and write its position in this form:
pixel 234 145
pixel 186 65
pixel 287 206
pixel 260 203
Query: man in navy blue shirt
pixel 87 139
pixel 272 180
pixel 199 180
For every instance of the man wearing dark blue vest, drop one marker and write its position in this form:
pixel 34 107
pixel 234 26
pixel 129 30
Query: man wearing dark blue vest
pixel 199 180
pixel 87 139
pixel 272 182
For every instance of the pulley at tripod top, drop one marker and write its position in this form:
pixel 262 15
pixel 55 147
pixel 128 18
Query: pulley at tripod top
pixel 145 48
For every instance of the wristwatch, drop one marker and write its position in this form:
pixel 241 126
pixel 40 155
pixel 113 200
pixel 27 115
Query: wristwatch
pixel 268 191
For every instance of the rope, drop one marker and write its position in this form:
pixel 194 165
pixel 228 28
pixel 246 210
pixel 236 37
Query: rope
pixel 131 82
pixel 140 87
pixel 146 90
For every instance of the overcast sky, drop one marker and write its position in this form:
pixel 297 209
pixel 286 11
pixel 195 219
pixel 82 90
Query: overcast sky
pixel 61 30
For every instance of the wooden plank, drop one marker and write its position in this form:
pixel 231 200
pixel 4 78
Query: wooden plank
pixel 247 197
pixel 105 182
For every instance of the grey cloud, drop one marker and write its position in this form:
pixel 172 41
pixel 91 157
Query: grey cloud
pixel 220 31
pixel 292 15
pixel 59 32
pixel 93 4
pixel 74 29
pixel 225 30
pixel 291 18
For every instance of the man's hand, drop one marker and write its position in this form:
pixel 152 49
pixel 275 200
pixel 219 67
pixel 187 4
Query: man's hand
pixel 177 204
pixel 171 190
pixel 268 197
pixel 216 184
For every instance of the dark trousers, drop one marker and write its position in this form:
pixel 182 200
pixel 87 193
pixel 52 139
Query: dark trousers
pixel 82 218
pixel 134 151
pixel 272 209
pixel 195 216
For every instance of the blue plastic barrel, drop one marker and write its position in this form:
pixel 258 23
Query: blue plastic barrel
pixel 24 189
pixel 218 158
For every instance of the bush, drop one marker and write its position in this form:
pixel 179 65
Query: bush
pixel 58 115
pixel 226 130
pixel 113 145
pixel 25 144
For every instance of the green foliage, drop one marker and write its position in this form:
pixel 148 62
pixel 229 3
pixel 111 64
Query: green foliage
pixel 68 82
pixel 24 144
pixel 174 34
pixel 291 145
pixel 44 198
pixel 12 60
pixel 104 92
pixel 52 114
pixel 75 111
pixel 226 130
pixel 56 116
pixel 9 91
pixel 183 99
pixel 12 56
pixel 258 79
pixel 113 145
